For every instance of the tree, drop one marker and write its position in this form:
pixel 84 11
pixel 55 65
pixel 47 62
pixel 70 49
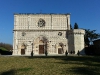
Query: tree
pixel 75 26
pixel 78 53
pixel 32 53
pixel 6 46
pixel 90 36
pixel 66 53
pixel 71 27
pixel 87 42
pixel 46 53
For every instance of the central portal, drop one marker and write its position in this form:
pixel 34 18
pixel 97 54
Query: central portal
pixel 41 49
pixel 41 44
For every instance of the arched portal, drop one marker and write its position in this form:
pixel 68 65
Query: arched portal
pixel 22 49
pixel 60 48
pixel 41 47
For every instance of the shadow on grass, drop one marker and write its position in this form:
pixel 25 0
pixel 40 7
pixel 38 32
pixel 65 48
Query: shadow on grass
pixel 87 65
pixel 45 57
pixel 24 69
pixel 70 58
pixel 10 72
pixel 83 71
pixel 13 71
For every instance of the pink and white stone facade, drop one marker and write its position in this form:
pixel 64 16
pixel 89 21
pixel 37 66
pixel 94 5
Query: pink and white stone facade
pixel 39 33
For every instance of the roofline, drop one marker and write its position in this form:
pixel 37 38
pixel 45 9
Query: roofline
pixel 42 13
pixel 39 30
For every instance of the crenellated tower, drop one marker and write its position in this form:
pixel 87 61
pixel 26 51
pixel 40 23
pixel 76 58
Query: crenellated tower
pixel 76 41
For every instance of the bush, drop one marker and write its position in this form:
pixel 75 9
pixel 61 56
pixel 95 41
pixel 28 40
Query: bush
pixel 92 50
pixel 5 52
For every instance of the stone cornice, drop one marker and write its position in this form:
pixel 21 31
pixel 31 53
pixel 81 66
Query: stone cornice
pixel 42 14
pixel 76 31
pixel 37 30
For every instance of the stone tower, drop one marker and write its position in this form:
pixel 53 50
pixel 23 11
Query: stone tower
pixel 76 41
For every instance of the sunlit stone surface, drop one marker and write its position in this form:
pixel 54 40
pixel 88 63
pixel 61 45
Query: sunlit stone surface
pixel 46 33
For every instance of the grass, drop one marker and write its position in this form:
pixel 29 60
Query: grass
pixel 58 65
pixel 2 48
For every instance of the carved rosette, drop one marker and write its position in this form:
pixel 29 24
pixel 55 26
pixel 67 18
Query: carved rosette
pixel 41 23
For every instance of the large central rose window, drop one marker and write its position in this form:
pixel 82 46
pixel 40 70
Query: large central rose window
pixel 41 23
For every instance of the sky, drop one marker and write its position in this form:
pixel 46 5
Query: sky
pixel 86 13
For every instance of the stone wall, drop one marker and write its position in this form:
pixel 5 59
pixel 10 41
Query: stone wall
pixel 31 37
pixel 53 21
pixel 55 31
pixel 76 40
pixel 27 31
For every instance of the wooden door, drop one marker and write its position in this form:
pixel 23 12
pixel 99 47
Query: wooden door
pixel 41 49
pixel 22 51
pixel 59 50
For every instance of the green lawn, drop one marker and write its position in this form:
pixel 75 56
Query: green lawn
pixel 2 48
pixel 60 65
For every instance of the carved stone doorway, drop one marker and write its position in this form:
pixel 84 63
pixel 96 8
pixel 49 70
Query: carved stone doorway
pixel 60 48
pixel 42 46
pixel 22 51
pixel 41 49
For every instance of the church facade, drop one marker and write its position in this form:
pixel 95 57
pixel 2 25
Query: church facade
pixel 41 33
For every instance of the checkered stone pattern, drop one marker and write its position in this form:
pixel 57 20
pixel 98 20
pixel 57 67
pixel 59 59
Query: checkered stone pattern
pixel 52 29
